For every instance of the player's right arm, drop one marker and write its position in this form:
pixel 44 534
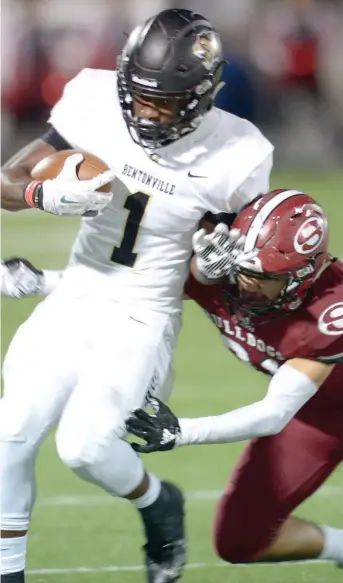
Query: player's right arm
pixel 65 194
pixel 16 173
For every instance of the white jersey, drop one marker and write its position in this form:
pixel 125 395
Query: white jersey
pixel 137 250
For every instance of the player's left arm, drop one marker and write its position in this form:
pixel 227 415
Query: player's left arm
pixel 290 388
pixel 20 279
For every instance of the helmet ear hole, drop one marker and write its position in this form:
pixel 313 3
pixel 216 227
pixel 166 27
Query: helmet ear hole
pixel 205 104
pixel 207 100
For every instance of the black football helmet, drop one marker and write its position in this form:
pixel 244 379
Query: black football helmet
pixel 175 54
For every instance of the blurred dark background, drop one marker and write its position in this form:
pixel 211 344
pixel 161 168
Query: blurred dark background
pixel 284 66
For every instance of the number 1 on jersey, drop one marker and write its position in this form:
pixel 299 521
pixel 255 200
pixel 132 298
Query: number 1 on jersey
pixel 136 205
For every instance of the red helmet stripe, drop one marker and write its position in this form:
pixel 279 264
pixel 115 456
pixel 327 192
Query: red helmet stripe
pixel 263 214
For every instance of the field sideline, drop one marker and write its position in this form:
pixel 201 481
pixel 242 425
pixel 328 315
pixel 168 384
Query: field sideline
pixel 80 535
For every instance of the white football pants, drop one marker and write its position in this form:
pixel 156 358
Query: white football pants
pixel 85 366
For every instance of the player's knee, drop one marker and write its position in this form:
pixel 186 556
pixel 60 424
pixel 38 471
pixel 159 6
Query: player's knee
pixel 17 423
pixel 230 546
pixel 74 455
pixel 17 461
pixel 237 537
pixel 233 550
pixel 83 446
pixel 73 448
pixel 83 438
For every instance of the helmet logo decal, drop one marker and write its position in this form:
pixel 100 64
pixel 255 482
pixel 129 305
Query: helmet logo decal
pixel 331 320
pixel 309 235
pixel 207 48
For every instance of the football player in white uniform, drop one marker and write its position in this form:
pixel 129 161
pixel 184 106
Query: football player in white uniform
pixel 103 340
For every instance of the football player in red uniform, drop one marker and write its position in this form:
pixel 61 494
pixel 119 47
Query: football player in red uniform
pixel 282 311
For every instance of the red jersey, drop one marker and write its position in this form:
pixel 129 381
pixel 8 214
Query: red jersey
pixel 313 331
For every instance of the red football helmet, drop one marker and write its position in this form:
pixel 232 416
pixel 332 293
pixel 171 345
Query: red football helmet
pixel 289 231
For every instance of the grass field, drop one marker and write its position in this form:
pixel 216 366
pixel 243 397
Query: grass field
pixel 79 534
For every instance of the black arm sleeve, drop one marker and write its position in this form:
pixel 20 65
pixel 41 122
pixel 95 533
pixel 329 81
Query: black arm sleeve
pixel 226 218
pixel 55 140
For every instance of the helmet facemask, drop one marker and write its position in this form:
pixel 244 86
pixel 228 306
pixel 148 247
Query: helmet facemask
pixel 187 70
pixel 152 134
pixel 292 293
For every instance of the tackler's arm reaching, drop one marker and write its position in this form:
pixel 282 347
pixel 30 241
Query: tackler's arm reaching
pixel 290 388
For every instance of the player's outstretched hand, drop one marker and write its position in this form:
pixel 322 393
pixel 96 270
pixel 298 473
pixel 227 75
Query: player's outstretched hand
pixel 217 253
pixel 20 279
pixel 67 195
pixel 160 431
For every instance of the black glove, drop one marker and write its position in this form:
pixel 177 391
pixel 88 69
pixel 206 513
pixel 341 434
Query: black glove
pixel 160 431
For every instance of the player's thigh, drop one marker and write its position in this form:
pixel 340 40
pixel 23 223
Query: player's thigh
pixel 120 374
pixel 165 390
pixel 274 475
pixel 137 363
pixel 38 375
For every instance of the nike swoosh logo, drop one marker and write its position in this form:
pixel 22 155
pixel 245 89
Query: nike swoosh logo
pixel 195 175
pixel 66 201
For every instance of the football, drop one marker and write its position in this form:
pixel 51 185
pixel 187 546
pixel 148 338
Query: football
pixel 52 165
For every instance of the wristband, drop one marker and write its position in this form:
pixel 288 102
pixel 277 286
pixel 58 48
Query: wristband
pixel 32 194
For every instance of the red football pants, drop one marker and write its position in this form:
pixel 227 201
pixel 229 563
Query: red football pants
pixel 274 475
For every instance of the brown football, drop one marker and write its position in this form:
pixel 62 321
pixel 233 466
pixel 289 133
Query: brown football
pixel 52 165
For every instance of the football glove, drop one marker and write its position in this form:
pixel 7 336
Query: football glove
pixel 20 279
pixel 217 253
pixel 160 431
pixel 67 195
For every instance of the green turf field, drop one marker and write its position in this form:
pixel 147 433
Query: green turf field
pixel 79 534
